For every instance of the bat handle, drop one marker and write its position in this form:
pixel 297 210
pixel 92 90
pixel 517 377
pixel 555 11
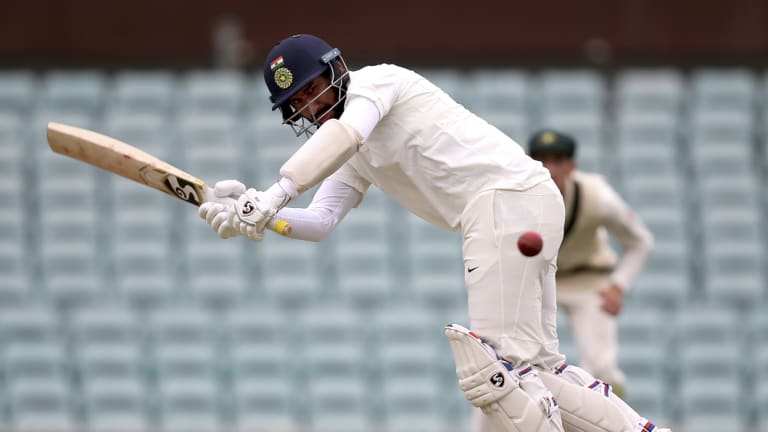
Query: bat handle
pixel 279 226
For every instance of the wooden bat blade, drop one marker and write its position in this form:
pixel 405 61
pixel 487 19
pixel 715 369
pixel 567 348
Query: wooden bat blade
pixel 125 160
pixel 130 162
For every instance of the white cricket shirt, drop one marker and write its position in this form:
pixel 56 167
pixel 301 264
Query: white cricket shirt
pixel 428 152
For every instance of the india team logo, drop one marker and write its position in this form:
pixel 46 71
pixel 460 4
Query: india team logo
pixel 283 78
pixel 283 75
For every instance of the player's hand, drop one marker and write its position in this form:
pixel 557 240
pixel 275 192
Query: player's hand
pixel 229 189
pixel 219 217
pixel 613 299
pixel 254 209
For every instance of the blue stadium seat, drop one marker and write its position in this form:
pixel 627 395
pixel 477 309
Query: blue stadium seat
pixel 35 362
pixel 337 405
pixel 363 257
pixel 42 404
pixel 257 322
pixel 82 91
pixel 189 404
pixel 16 285
pixel 265 404
pixel 647 145
pixel 731 88
pixel 571 90
pixel 665 280
pixel 215 271
pixel 118 405
pixel 145 130
pixel 209 91
pixel 18 90
pixel 291 273
pixel 134 91
pixel 499 91
pixel 413 404
pixel 436 265
pixel 211 145
pixel 142 250
pixel 32 323
pixel 707 324
pixel 97 363
pixel 712 405
pixel 656 90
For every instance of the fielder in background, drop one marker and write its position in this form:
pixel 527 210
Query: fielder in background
pixel 387 126
pixel 591 278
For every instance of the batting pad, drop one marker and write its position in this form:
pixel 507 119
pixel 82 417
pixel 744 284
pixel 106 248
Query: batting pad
pixel 489 385
pixel 586 410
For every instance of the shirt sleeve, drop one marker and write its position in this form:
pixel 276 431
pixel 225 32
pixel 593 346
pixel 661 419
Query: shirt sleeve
pixel 361 114
pixel 329 205
pixel 633 236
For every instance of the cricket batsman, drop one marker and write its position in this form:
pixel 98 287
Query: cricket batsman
pixel 387 126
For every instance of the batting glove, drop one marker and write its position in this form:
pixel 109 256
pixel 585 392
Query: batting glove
pixel 229 189
pixel 254 209
pixel 220 217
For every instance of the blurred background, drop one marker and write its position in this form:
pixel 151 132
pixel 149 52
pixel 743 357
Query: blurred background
pixel 121 310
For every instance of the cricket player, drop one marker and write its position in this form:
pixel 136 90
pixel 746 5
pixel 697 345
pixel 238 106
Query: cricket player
pixel 591 278
pixel 387 126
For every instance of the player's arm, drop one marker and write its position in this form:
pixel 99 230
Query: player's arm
pixel 633 236
pixel 332 201
pixel 334 143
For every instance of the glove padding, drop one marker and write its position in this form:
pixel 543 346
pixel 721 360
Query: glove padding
pixel 221 215
pixel 255 209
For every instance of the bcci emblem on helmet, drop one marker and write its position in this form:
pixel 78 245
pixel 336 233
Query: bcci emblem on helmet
pixel 283 78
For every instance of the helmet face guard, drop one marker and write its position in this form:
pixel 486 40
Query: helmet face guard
pixel 307 124
pixel 291 65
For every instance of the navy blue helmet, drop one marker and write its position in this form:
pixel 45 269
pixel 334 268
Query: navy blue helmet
pixel 292 64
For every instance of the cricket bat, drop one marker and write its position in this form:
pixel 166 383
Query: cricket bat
pixel 128 161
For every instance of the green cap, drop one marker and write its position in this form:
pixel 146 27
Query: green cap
pixel 553 142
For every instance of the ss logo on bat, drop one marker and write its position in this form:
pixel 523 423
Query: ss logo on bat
pixel 183 189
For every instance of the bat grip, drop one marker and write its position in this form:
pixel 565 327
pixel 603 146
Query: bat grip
pixel 279 226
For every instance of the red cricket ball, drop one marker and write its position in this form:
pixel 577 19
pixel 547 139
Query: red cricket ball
pixel 529 243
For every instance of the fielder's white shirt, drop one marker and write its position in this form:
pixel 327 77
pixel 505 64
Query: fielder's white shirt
pixel 427 151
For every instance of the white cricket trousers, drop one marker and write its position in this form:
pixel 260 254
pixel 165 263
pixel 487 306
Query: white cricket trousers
pixel 512 297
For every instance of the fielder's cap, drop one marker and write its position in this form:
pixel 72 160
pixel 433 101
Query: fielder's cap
pixel 552 142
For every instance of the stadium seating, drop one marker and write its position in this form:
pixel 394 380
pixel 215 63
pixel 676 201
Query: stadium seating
pixel 120 310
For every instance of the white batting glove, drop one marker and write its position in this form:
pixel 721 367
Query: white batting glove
pixel 229 189
pixel 219 216
pixel 254 209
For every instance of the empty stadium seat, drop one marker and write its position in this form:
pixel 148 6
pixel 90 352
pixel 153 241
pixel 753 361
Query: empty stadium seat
pixel 118 405
pixel 291 273
pixel 363 257
pixel 657 90
pixel 503 92
pixel 78 90
pixel 732 88
pixel 134 92
pixel 265 404
pixel 436 264
pixel 212 91
pixel 571 91
pixel 17 90
pixel 42 404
